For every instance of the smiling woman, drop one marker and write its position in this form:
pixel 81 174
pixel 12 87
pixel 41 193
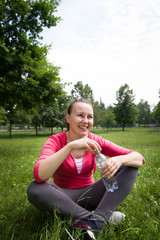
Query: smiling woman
pixel 80 118
pixel 69 157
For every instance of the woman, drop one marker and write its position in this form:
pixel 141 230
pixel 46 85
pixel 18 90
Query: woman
pixel 69 157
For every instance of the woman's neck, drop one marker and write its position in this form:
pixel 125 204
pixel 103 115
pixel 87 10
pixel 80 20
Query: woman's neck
pixel 75 153
pixel 71 137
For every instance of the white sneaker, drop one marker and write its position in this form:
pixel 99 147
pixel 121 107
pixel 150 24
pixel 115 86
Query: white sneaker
pixel 89 235
pixel 116 218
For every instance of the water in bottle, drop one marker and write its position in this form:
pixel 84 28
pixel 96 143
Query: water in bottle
pixel 110 184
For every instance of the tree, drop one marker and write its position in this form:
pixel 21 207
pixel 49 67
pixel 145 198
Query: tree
pixel 102 116
pixel 52 115
pixel 109 117
pixel 97 115
pixel 26 77
pixel 37 118
pixel 22 21
pixel 62 102
pixel 156 111
pixel 18 117
pixel 144 113
pixel 125 109
pixel 82 91
pixel 40 84
pixel 101 113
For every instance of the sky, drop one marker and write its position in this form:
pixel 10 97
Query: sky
pixel 106 44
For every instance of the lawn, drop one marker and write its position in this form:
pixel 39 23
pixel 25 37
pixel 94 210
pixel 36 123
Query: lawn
pixel 20 220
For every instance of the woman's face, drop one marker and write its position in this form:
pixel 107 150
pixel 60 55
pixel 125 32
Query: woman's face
pixel 80 119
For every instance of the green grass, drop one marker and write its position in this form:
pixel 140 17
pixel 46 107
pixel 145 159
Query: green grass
pixel 20 220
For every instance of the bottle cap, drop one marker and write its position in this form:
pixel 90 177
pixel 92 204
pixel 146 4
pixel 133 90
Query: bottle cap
pixel 95 151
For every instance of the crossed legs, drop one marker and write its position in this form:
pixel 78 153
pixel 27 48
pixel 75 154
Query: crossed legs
pixel 79 203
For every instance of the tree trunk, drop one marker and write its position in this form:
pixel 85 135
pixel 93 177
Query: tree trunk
pixel 51 127
pixel 123 126
pixel 51 130
pixel 10 129
pixel 36 130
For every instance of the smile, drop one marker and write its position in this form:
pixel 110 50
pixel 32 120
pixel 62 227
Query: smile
pixel 83 127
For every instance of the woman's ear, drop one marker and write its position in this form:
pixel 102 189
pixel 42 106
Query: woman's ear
pixel 67 117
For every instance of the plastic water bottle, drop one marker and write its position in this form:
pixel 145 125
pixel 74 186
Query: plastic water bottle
pixel 110 184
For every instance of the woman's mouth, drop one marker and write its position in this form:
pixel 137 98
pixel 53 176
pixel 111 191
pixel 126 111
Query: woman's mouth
pixel 83 127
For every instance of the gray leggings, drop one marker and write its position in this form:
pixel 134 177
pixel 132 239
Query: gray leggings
pixel 79 203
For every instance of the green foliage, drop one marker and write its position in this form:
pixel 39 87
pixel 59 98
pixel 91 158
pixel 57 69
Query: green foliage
pixel 96 112
pixel 125 108
pixel 22 20
pixel 144 113
pixel 109 119
pixel 20 220
pixel 102 116
pixel 30 80
pixel 156 111
pixel 2 116
pixel 82 91
pixel 52 115
pixel 27 79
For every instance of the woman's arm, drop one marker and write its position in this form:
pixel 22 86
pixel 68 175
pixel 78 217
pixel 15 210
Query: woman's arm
pixel 47 167
pixel 50 164
pixel 133 159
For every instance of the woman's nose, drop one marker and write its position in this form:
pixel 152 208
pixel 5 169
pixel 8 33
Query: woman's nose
pixel 85 119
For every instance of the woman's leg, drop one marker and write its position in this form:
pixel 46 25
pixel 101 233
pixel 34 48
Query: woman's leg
pixel 48 196
pixel 96 197
pixel 75 202
pixel 125 177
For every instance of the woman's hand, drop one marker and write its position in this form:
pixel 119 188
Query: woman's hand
pixel 85 144
pixel 51 163
pixel 111 166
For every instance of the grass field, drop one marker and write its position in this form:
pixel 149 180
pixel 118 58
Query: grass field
pixel 20 220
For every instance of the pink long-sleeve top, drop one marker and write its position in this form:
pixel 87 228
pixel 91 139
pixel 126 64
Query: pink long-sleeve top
pixel 67 176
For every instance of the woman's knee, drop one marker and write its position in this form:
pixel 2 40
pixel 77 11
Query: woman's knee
pixel 127 177
pixel 127 170
pixel 34 191
pixel 132 172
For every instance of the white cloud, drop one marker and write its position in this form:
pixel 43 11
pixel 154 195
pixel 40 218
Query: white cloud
pixel 108 43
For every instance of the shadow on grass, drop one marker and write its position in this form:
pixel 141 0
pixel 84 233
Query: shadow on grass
pixel 24 135
pixel 28 134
